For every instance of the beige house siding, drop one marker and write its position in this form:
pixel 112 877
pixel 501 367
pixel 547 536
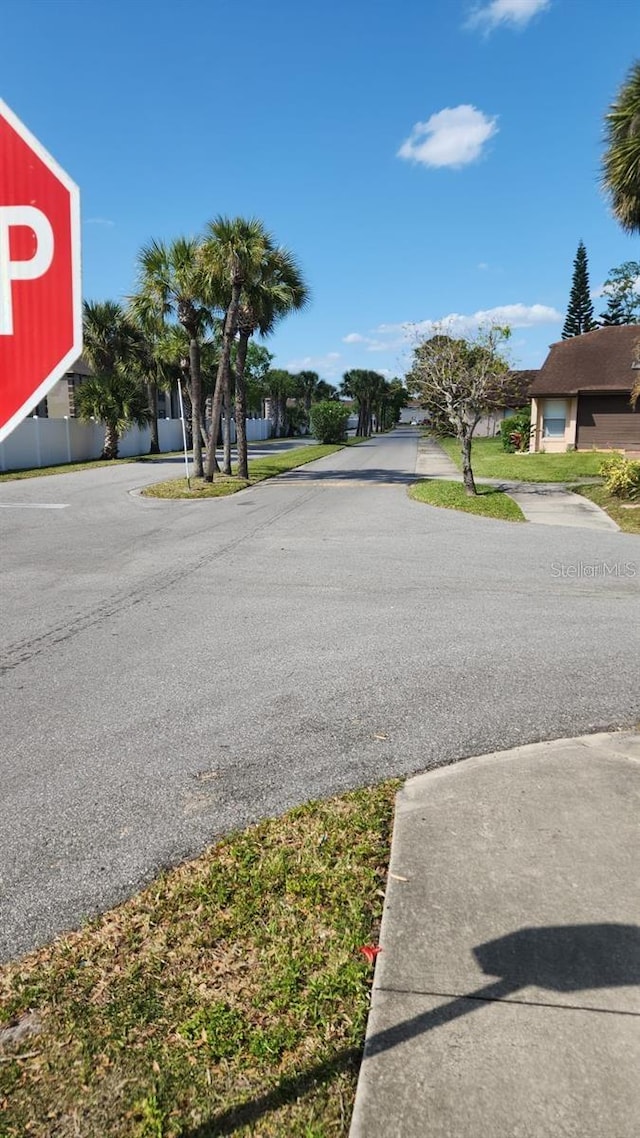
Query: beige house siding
pixel 541 409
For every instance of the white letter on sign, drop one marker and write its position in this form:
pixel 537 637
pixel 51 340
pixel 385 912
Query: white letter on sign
pixel 12 216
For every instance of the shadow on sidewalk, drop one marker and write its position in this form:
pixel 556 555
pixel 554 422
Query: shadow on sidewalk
pixel 565 958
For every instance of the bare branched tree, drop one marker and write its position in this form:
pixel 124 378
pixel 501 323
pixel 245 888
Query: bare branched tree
pixel 461 379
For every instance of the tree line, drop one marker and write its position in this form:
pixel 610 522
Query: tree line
pixel 197 304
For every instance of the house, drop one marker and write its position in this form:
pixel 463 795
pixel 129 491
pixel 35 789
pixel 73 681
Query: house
pixel 60 403
pixel 519 385
pixel 581 397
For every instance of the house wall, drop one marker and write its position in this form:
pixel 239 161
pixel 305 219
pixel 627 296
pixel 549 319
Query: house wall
pixel 603 420
pixel 558 444
pixel 607 421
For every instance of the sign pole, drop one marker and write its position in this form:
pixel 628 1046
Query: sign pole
pixel 184 434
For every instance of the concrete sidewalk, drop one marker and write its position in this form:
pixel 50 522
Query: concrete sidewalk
pixel 543 503
pixel 506 997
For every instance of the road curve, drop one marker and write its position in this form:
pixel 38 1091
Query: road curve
pixel 315 633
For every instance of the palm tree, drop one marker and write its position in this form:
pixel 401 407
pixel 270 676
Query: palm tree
pixel 366 388
pixel 109 336
pixel 150 366
pixel 232 257
pixel 324 391
pixel 118 401
pixel 621 161
pixel 308 382
pixel 279 386
pixel 113 395
pixel 171 283
pixel 268 298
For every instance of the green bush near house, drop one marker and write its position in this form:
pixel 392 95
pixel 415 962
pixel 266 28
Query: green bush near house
pixel 515 431
pixel 329 421
pixel 621 476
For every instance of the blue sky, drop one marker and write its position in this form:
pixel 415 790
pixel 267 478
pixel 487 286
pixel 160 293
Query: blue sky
pixel 308 115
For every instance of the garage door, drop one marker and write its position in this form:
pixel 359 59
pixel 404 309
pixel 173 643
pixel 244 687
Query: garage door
pixel 607 421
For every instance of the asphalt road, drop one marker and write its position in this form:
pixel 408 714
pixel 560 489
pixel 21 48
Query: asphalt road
pixel 173 670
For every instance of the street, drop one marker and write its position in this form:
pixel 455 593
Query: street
pixel 173 670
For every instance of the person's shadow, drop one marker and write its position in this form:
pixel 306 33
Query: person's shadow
pixel 562 958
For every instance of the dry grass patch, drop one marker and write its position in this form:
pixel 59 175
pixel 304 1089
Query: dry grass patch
pixel 227 998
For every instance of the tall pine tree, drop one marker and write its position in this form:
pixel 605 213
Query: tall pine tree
pixel 580 311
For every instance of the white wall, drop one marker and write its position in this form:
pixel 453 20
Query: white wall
pixel 257 430
pixel 48 442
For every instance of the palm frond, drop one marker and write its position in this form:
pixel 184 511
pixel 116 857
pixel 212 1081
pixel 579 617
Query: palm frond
pixel 621 160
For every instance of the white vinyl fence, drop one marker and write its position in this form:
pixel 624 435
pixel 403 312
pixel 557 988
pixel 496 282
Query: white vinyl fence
pixel 48 442
pixel 257 430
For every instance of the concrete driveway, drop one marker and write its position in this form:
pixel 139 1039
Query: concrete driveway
pixel 315 633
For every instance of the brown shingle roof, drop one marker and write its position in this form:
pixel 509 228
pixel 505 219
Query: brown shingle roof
pixel 596 361
pixel 521 384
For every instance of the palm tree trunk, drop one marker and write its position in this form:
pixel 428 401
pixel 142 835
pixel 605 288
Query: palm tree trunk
pixel 226 428
pixel 110 448
pixel 152 394
pixel 223 376
pixel 196 404
pixel 241 407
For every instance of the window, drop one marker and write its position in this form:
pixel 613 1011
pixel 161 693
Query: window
pixel 554 418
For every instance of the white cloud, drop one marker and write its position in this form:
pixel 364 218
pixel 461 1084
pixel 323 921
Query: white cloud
pixel 370 343
pixel 400 338
pixel 516 13
pixel 326 365
pixel 100 221
pixel 483 266
pixel 515 315
pixel 451 137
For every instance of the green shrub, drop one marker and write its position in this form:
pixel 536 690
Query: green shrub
pixel 329 421
pixel 621 476
pixel 515 431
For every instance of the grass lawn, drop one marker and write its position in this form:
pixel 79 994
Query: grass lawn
pixel 628 520
pixel 259 469
pixel 229 997
pixel 68 468
pixel 489 502
pixel 489 460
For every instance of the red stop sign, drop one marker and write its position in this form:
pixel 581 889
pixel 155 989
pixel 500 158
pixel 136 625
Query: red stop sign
pixel 40 293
